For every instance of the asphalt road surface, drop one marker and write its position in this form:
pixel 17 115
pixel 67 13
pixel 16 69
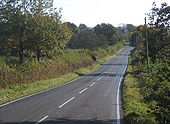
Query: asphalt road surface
pixel 92 99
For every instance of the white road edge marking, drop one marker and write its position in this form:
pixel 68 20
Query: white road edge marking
pixel 66 102
pixel 98 79
pixel 24 97
pixel 118 90
pixel 82 91
pixel 92 84
pixel 42 119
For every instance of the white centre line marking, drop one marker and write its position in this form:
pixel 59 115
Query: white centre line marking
pixel 98 79
pixel 92 84
pixel 66 102
pixel 42 119
pixel 82 91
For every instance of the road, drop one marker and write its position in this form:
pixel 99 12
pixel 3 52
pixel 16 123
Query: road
pixel 91 99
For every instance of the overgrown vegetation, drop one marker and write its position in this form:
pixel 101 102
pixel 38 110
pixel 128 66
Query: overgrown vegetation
pixel 10 91
pixel 147 87
pixel 68 61
pixel 136 110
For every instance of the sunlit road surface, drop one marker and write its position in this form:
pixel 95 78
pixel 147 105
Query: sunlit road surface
pixel 91 99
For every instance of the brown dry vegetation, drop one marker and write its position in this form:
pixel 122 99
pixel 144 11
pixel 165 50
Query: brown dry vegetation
pixel 68 61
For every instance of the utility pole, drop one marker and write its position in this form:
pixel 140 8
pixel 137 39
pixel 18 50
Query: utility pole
pixel 137 45
pixel 147 50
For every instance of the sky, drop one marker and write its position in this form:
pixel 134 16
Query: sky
pixel 115 12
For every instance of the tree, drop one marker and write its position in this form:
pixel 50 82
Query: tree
pixel 31 26
pixel 82 26
pixel 72 26
pixel 47 35
pixel 84 39
pixel 107 30
pixel 37 6
pixel 157 31
pixel 159 17
pixel 13 28
pixel 130 28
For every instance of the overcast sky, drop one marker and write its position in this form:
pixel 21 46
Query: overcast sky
pixel 93 12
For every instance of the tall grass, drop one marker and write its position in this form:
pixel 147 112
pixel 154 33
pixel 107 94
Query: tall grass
pixel 31 71
pixel 76 59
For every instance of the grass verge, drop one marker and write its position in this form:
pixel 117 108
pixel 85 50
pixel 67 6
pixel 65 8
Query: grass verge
pixel 13 92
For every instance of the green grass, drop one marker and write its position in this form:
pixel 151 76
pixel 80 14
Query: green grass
pixel 16 91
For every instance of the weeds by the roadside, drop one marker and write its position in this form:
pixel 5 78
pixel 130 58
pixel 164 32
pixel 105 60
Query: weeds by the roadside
pixel 63 74
pixel 136 111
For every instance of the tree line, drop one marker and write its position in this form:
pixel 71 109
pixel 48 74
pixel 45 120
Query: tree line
pixel 33 29
pixel 101 35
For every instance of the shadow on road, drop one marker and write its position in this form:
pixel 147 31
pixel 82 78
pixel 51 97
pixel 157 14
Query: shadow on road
pixel 118 75
pixel 68 121
pixel 99 74
pixel 102 74
pixel 113 64
pixel 122 54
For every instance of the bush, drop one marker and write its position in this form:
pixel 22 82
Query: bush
pixel 154 87
pixel 136 110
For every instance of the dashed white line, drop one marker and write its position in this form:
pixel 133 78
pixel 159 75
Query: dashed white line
pixel 98 79
pixel 42 119
pixel 66 102
pixel 82 91
pixel 92 84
